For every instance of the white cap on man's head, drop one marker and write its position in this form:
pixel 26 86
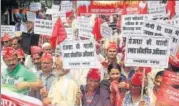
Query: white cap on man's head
pixel 46 44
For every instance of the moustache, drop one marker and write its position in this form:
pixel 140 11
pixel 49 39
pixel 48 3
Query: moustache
pixel 11 65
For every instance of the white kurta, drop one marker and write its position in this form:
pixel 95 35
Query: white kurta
pixel 63 91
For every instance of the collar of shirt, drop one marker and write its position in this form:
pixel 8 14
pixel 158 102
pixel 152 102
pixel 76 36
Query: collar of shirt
pixel 49 75
pixel 13 72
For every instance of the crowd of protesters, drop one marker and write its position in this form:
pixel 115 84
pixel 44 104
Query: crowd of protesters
pixel 39 73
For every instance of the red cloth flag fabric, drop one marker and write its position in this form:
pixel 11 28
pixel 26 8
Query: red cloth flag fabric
pixel 174 60
pixel 143 7
pixel 115 95
pixel 168 95
pixel 170 81
pixel 170 7
pixel 9 98
pixel 171 75
pixel 97 28
pixel 59 33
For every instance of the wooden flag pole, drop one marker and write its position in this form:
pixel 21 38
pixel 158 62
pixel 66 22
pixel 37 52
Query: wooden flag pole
pixel 143 80
pixel 56 50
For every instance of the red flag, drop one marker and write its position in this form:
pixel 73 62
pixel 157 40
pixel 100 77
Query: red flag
pixel 59 33
pixel 170 7
pixel 168 95
pixel 143 7
pixel 97 28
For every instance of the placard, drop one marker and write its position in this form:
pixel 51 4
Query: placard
pixel 155 29
pixel 157 10
pixel 78 54
pixel 55 14
pixel 85 27
pixel 31 16
pixel 9 29
pixel 132 24
pixel 35 6
pixel 147 51
pixel 106 31
pixel 56 7
pixel 43 27
pixel 66 6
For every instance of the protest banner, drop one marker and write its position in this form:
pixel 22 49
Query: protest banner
pixel 9 29
pixel 43 27
pixel 168 95
pixel 147 51
pixel 170 78
pixel 9 98
pixel 155 29
pixel 31 16
pixel 171 74
pixel 157 10
pixel 170 81
pixel 35 6
pixel 107 7
pixel 66 6
pixel 106 31
pixel 85 27
pixel 132 24
pixel 78 54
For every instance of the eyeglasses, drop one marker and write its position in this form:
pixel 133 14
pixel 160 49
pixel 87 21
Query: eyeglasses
pixel 21 59
pixel 5 42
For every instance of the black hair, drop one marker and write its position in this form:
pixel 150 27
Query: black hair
pixel 113 66
pixel 160 73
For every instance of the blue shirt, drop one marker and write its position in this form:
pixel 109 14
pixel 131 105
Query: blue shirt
pixel 47 80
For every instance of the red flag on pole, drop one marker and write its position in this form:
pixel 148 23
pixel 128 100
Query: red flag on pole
pixel 143 7
pixel 170 7
pixel 97 28
pixel 59 33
